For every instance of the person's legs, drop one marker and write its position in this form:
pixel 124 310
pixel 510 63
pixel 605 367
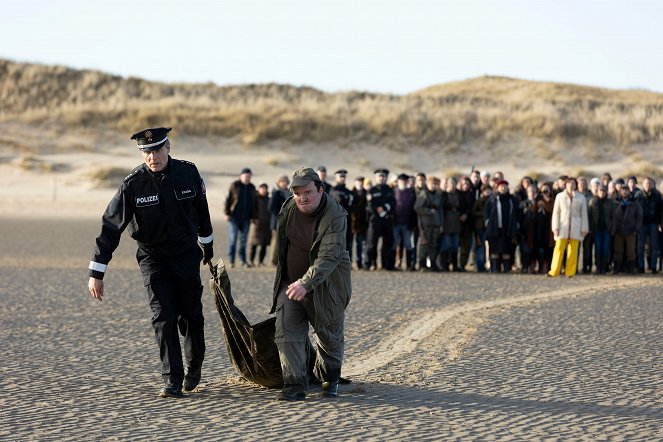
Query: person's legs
pixel 387 252
pixel 233 231
pixel 188 296
pixel 572 258
pixel 480 251
pixel 243 235
pixel 654 245
pixel 372 245
pixel 290 337
pixel 558 253
pixel 360 243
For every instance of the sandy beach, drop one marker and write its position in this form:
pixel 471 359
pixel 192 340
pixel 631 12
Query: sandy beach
pixel 431 357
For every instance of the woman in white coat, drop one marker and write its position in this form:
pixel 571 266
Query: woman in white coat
pixel 569 225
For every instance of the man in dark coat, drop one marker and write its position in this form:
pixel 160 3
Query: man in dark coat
pixel 163 203
pixel 280 193
pixel 626 223
pixel 652 207
pixel 600 214
pixel 343 196
pixel 359 220
pixel 380 224
pixel 501 219
pixel 240 209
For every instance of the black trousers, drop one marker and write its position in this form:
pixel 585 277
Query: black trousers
pixel 380 227
pixel 174 292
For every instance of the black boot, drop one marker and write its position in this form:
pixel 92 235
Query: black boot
pixel 524 263
pixel 494 265
pixel 411 257
pixel 453 259
pixel 442 259
pixel 630 267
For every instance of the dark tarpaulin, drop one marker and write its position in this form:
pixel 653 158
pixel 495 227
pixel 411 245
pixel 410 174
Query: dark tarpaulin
pixel 251 348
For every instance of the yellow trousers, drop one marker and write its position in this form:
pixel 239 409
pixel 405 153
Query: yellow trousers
pixel 571 257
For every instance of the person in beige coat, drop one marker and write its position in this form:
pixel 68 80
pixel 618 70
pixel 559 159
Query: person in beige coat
pixel 569 225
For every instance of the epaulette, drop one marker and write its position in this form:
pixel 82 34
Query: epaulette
pixel 133 172
pixel 187 162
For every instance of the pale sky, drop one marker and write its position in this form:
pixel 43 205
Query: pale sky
pixel 391 46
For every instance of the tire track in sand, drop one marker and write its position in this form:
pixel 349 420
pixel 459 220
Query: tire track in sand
pixel 410 336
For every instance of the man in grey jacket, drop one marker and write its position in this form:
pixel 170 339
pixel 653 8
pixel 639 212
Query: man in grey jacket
pixel 312 285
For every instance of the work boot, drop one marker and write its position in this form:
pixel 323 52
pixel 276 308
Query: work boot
pixel 294 392
pixel 171 390
pixel 329 389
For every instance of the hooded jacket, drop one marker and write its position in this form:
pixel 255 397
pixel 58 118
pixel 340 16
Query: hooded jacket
pixel 328 278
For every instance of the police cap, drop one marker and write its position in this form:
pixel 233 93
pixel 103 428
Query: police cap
pixel 384 172
pixel 403 177
pixel 303 176
pixel 151 139
pixel 341 172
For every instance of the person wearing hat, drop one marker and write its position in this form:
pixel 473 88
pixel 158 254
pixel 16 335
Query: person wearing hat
pixel 322 173
pixel 312 285
pixel 652 211
pixel 260 234
pixel 280 193
pixel 381 203
pixel 359 220
pixel 501 220
pixel 345 198
pixel 163 203
pixel 241 207
pixel 599 215
pixel 405 221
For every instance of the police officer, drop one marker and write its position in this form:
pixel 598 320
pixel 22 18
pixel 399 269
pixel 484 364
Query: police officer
pixel 322 173
pixel 345 199
pixel 163 204
pixel 380 207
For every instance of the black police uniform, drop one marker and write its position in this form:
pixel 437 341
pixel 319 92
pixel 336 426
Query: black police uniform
pixel 167 214
pixel 381 226
pixel 344 197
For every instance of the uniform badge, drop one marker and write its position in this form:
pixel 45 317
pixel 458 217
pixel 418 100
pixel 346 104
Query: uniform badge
pixel 148 134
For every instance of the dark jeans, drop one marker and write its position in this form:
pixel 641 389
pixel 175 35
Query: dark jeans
pixel 602 246
pixel 237 229
pixel 360 243
pixel 174 291
pixel 648 233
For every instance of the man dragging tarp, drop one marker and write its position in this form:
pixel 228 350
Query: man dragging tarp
pixel 312 285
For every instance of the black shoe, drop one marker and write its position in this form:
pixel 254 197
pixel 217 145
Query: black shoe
pixel 191 380
pixel 171 390
pixel 246 265
pixel 329 389
pixel 292 393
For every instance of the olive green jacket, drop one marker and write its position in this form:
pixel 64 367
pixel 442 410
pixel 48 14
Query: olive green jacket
pixel 328 277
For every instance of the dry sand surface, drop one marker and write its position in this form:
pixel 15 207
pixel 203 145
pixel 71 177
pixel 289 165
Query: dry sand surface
pixel 431 356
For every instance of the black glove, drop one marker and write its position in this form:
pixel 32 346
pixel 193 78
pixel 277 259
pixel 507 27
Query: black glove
pixel 208 253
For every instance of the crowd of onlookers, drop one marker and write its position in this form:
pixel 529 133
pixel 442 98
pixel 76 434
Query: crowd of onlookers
pixel 479 222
